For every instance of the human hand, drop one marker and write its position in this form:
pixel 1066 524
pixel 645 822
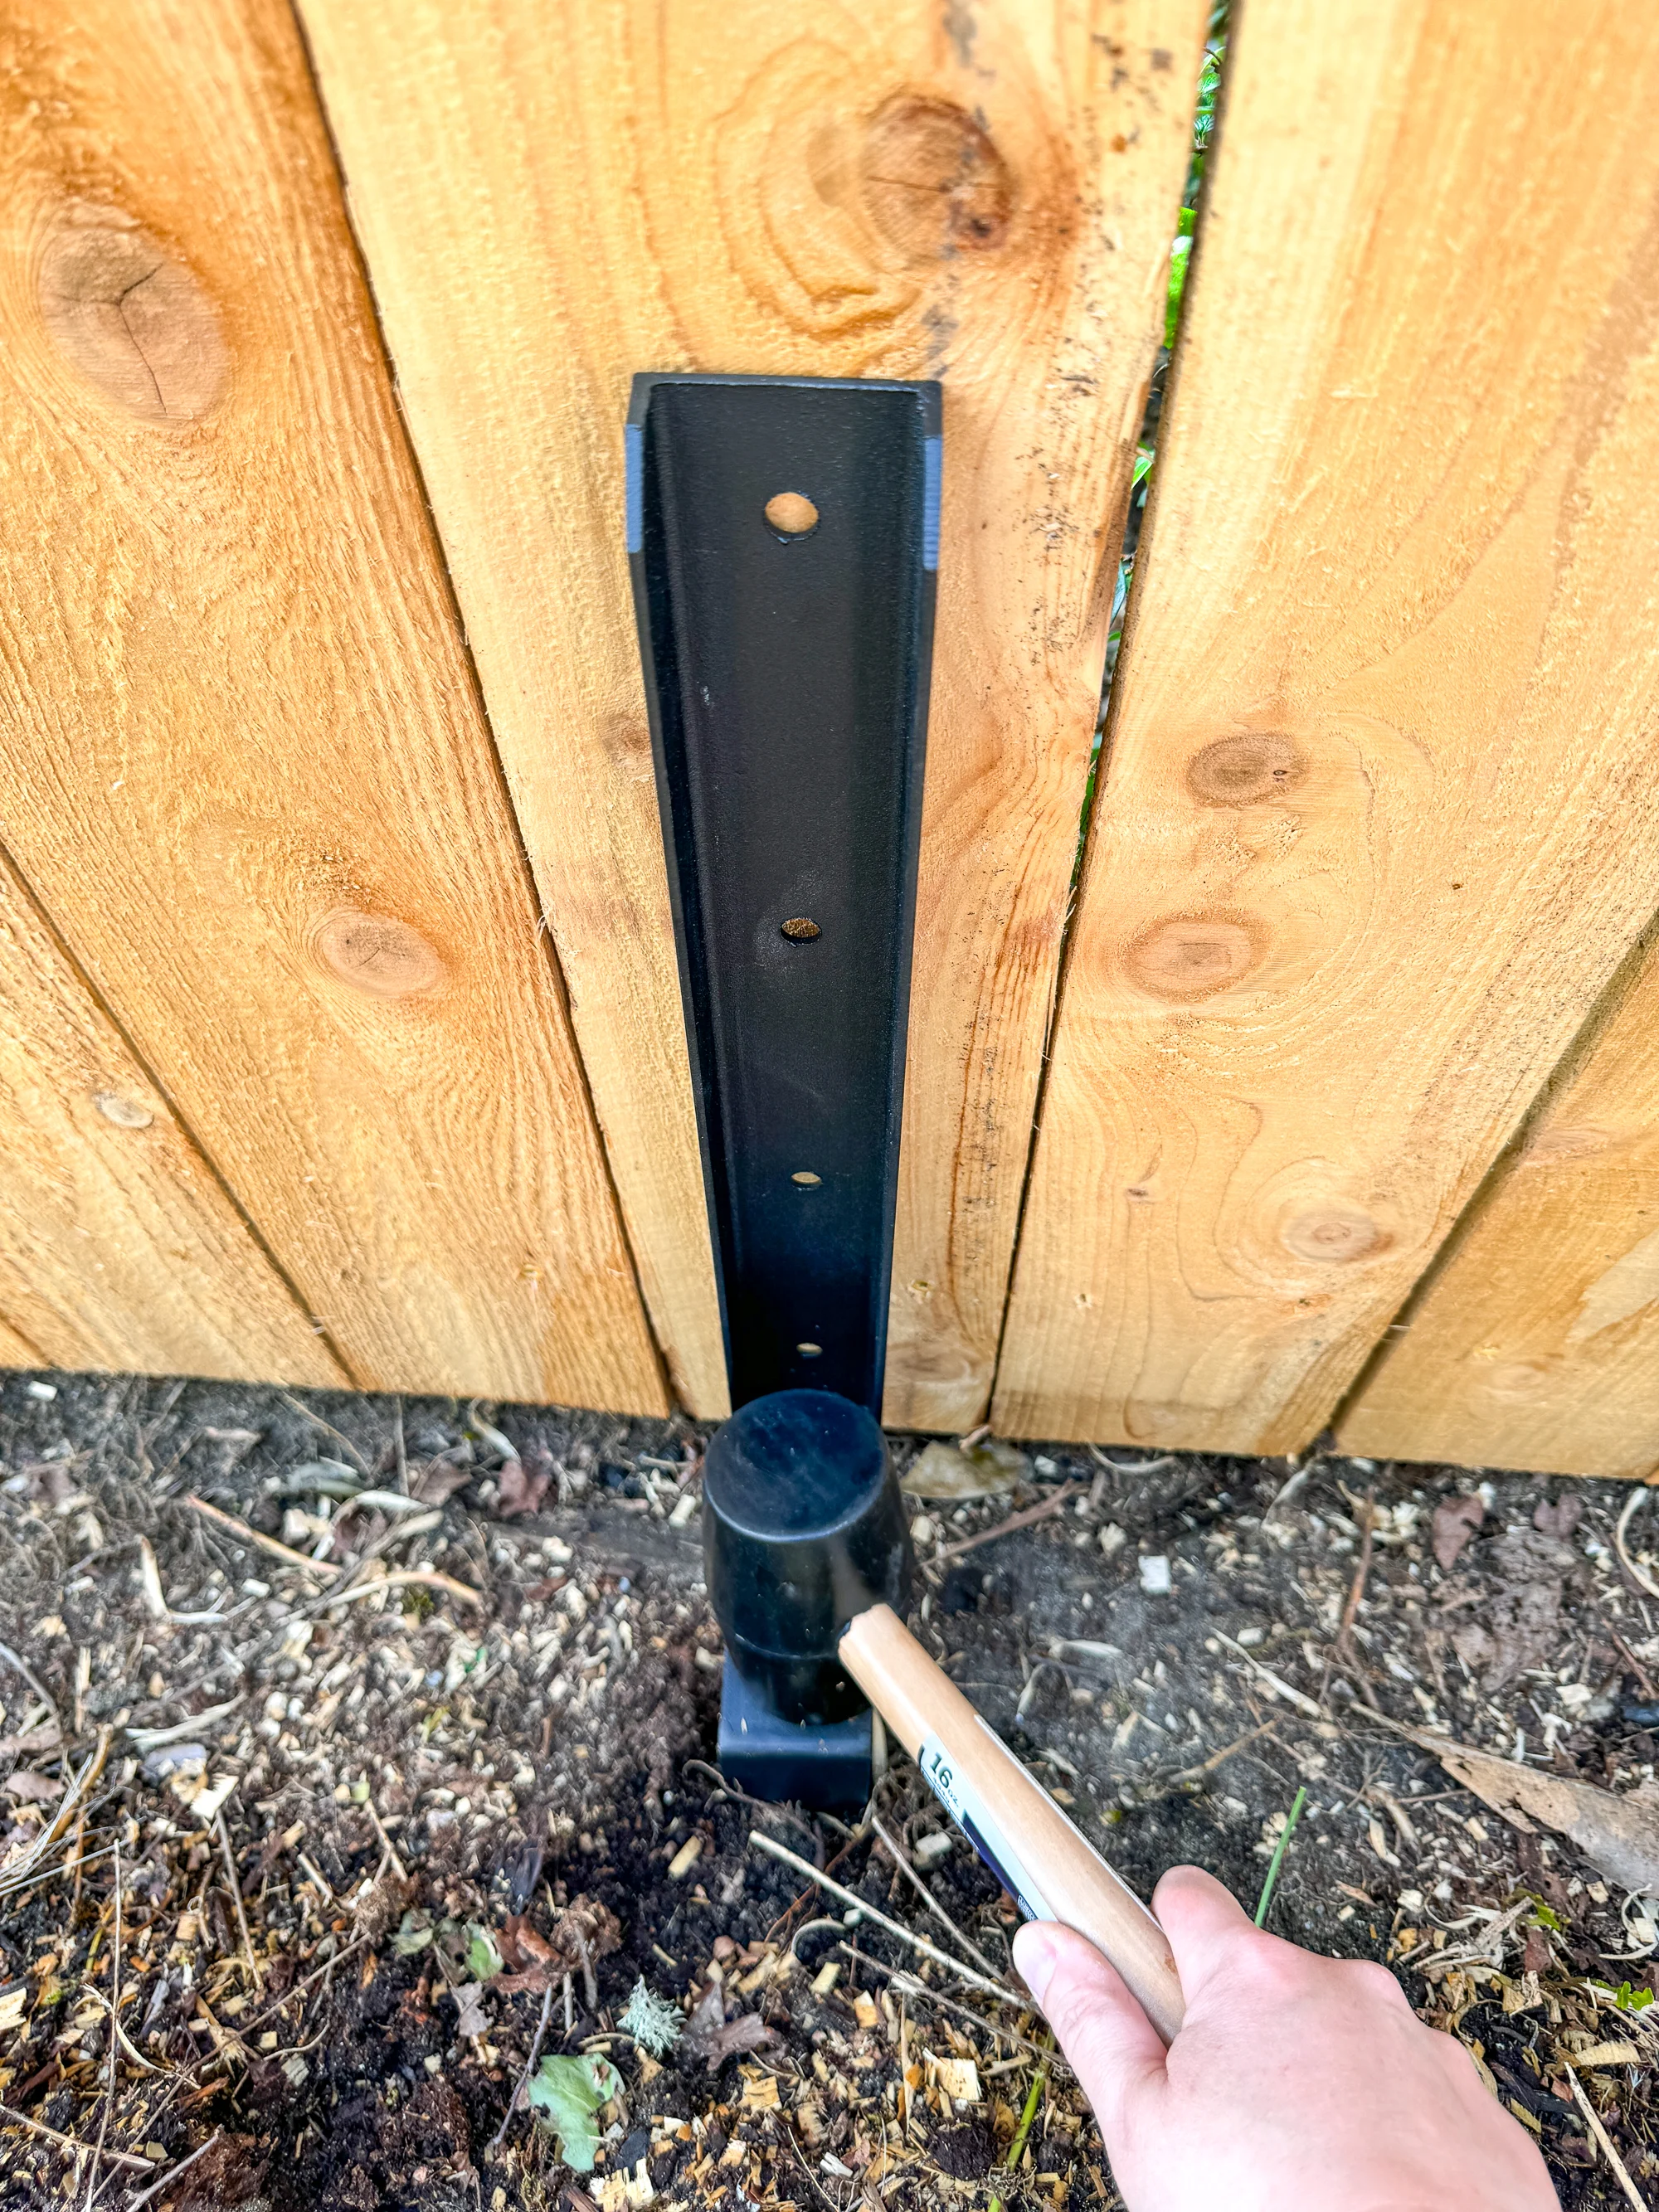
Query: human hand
pixel 1296 2084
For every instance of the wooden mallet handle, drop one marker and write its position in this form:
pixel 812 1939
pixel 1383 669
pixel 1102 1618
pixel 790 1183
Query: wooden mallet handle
pixel 1012 1821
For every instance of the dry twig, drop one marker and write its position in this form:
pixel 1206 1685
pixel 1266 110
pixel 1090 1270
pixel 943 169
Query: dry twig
pixel 235 1898
pixel 927 1898
pixel 1361 1575
pixel 515 2101
pixel 173 2173
pixel 427 1578
pixel 758 1842
pixel 1032 1515
pixel 911 1987
pixel 325 1570
pixel 35 1683
pixel 1637 1575
pixel 79 2150
pixel 1601 2133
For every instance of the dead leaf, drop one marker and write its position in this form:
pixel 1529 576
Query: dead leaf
pixel 748 2032
pixel 1618 1833
pixel 523 1946
pixel 710 2037
pixel 707 2016
pixel 584 1931
pixel 1560 1517
pixel 472 2019
pixel 31 1741
pixel 1455 1520
pixel 35 1788
pixel 522 1491
pixel 439 1480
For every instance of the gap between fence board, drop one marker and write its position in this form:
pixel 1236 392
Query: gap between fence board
pixel 1379 812
pixel 552 196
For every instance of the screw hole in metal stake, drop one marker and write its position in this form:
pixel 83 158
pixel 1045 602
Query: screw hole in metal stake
pixel 809 1350
pixel 800 929
pixel 806 1179
pixel 791 514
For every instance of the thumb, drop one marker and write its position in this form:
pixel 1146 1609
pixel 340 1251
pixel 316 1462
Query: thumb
pixel 1116 2052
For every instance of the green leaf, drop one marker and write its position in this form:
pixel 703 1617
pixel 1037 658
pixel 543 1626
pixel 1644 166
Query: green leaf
pixel 483 1961
pixel 569 2091
pixel 1179 252
pixel 413 1934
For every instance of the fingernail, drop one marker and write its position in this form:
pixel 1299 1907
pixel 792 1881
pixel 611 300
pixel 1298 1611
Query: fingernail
pixel 1036 1954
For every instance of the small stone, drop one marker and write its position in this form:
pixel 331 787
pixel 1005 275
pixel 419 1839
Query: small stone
pixel 1155 1578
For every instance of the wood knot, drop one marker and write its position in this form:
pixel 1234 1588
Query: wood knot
pixel 1336 1235
pixel 1191 958
pixel 125 1113
pixel 1521 1378
pixel 1244 770
pixel 378 953
pixel 132 318
pixel 932 179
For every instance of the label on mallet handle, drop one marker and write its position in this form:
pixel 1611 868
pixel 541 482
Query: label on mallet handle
pixel 979 1824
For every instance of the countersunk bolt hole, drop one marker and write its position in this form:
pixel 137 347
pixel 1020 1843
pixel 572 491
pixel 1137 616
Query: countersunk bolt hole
pixel 800 929
pixel 806 1179
pixel 791 514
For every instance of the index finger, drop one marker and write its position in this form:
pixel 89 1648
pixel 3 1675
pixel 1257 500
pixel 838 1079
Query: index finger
pixel 1204 1922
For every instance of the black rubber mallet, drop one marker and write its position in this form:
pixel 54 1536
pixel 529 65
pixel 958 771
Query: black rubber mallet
pixel 808 1563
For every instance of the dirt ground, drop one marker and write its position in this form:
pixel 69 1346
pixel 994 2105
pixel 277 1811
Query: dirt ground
pixel 296 1864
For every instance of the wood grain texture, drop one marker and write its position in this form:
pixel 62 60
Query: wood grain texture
pixel 1380 813
pixel 1535 1343
pixel 16 1351
pixel 246 770
pixel 119 1248
pixel 553 194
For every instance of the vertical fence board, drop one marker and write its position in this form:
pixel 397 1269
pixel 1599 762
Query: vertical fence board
pixel 1382 807
pixel 552 195
pixel 245 769
pixel 118 1248
pixel 1536 1342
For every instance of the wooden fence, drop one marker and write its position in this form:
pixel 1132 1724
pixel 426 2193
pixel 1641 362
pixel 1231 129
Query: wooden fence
pixel 340 1036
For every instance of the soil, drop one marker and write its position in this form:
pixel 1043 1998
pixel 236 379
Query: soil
pixel 474 1768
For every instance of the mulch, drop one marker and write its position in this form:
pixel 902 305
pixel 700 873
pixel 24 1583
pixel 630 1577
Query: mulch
pixel 322 1803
